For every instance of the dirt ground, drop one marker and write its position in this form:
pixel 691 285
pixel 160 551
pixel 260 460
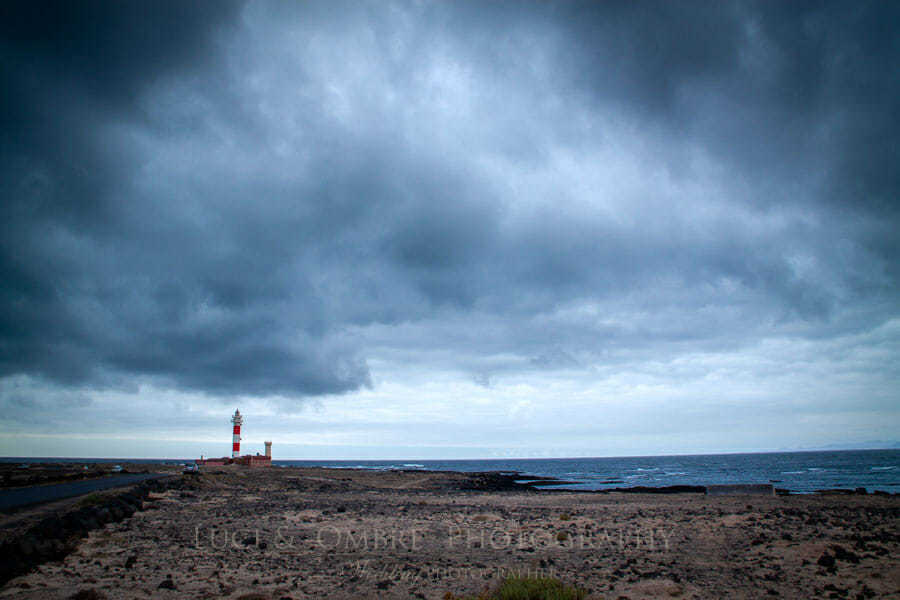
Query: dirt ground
pixel 341 534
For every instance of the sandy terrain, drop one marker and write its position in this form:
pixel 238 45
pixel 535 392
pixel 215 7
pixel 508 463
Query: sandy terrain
pixel 315 533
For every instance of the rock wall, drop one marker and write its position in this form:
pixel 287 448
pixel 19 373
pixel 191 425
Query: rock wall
pixel 56 536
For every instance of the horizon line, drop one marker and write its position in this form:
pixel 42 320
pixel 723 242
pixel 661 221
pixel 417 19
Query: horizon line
pixel 274 460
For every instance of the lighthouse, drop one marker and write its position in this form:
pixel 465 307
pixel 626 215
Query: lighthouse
pixel 248 460
pixel 237 420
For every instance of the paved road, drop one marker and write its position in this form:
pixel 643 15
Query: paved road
pixel 47 493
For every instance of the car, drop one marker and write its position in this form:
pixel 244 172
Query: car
pixel 191 469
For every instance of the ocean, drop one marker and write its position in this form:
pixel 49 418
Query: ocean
pixel 795 471
pixel 800 472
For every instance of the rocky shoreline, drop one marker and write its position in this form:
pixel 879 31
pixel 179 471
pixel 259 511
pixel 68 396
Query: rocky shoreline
pixel 345 534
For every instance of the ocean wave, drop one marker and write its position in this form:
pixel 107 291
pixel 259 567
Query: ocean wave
pixel 367 467
pixel 799 473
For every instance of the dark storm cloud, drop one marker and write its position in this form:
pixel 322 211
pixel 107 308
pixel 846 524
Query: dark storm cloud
pixel 811 83
pixel 257 199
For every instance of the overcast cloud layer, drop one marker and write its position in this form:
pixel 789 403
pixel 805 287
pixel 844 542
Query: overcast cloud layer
pixel 551 227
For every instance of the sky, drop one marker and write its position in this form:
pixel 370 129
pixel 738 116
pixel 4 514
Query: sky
pixel 448 229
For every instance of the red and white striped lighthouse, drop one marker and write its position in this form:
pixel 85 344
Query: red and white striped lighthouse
pixel 237 419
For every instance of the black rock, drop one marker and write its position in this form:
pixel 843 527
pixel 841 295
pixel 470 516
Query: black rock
pixel 668 489
pixel 841 553
pixel 826 560
pixel 167 584
pixel 88 594
pixel 51 527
